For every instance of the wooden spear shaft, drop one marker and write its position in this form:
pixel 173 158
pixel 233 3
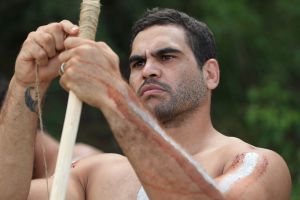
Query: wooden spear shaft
pixel 89 14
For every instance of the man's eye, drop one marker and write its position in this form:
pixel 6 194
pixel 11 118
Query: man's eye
pixel 166 57
pixel 138 64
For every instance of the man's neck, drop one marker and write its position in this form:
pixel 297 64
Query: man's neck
pixel 193 132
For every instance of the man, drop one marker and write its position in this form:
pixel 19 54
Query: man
pixel 161 121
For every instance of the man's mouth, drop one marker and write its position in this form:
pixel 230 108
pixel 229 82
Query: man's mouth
pixel 150 89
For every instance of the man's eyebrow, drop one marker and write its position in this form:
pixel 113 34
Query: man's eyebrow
pixel 166 50
pixel 134 58
pixel 158 52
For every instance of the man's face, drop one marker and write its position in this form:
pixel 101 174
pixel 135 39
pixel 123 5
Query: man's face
pixel 164 72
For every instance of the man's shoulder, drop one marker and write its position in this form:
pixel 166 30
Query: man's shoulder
pixel 236 148
pixel 271 171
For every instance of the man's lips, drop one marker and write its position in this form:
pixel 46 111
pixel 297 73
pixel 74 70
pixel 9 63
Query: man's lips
pixel 150 89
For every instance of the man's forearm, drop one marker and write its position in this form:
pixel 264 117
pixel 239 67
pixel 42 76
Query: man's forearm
pixel 18 126
pixel 164 169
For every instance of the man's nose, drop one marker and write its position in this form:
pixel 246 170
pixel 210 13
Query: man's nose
pixel 151 69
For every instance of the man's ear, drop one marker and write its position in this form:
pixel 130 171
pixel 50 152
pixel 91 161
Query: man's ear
pixel 211 73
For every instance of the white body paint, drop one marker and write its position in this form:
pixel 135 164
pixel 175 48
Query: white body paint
pixel 148 119
pixel 142 194
pixel 248 166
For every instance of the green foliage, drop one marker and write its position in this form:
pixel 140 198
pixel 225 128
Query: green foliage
pixel 273 121
pixel 258 50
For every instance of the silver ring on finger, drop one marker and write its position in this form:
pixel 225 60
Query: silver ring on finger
pixel 61 70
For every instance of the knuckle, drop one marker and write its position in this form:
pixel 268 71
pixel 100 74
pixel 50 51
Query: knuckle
pixel 49 27
pixel 65 22
pixel 44 27
pixel 76 51
pixel 41 28
pixel 81 50
pixel 26 42
pixel 31 35
pixel 52 27
pixel 56 26
pixel 92 44
pixel 47 38
pixel 70 71
pixel 102 44
pixel 41 55
pixel 87 47
pixel 74 61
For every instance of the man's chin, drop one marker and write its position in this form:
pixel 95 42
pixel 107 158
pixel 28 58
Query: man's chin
pixel 151 104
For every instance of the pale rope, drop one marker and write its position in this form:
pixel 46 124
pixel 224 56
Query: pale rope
pixel 39 111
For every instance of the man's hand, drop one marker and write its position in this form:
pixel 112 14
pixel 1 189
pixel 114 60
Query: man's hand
pixel 91 70
pixel 42 48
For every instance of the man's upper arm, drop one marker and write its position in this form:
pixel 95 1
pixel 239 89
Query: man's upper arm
pixel 256 175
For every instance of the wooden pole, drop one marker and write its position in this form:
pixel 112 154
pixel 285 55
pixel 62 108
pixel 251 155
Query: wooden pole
pixel 89 14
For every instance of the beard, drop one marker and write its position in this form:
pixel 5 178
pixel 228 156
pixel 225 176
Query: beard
pixel 188 96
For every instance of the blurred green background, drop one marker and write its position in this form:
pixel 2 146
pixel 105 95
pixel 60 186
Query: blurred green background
pixel 258 50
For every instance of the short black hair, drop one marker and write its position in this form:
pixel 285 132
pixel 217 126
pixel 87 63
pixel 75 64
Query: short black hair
pixel 199 36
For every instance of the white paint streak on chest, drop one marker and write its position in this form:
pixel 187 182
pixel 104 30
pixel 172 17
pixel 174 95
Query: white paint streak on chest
pixel 152 123
pixel 247 168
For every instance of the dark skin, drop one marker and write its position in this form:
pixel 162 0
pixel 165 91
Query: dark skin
pixel 153 160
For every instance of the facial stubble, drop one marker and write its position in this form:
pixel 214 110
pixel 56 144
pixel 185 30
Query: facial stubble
pixel 188 96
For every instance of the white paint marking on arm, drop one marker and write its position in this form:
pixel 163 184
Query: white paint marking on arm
pixel 152 123
pixel 142 194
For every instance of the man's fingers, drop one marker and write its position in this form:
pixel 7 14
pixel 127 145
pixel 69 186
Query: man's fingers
pixel 75 45
pixel 59 32
pixel 46 41
pixel 72 42
pixel 36 52
pixel 69 27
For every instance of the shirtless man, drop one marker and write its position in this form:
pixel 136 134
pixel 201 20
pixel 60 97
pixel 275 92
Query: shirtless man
pixel 161 120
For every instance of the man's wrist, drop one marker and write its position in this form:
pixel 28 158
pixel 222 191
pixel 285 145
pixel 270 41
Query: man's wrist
pixel 31 99
pixel 116 95
pixel 29 93
pixel 42 85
